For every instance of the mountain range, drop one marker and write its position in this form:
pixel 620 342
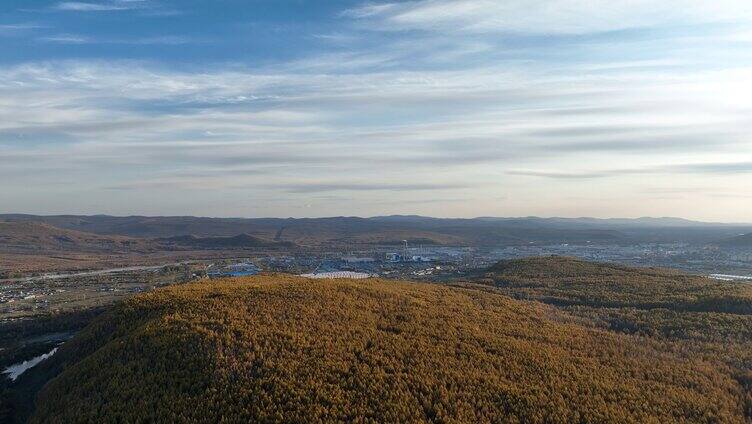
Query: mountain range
pixel 482 231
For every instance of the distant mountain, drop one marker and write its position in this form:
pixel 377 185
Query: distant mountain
pixel 235 242
pixel 484 231
pixel 36 237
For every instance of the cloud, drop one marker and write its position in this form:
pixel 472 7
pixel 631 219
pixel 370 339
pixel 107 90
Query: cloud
pixel 168 40
pixel 714 168
pixel 640 144
pixel 686 168
pixel 220 180
pixel 13 30
pixel 90 7
pixel 65 39
pixel 327 187
pixel 547 16
pixel 110 6
pixel 563 175
pixel 295 122
pixel 388 118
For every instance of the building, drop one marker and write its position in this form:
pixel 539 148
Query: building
pixel 242 269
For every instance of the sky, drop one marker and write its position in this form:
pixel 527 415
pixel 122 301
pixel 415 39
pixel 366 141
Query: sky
pixel 604 108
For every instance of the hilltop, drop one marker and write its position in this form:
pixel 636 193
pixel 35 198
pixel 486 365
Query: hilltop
pixel 281 348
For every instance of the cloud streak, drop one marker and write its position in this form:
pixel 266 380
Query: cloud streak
pixel 722 168
pixel 328 187
pixel 117 5
pixel 167 40
pixel 546 16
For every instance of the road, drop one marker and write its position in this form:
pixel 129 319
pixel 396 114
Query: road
pixel 90 273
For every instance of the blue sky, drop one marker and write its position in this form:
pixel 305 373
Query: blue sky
pixel 444 108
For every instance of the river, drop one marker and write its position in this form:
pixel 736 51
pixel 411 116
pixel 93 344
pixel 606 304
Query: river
pixel 15 370
pixel 89 273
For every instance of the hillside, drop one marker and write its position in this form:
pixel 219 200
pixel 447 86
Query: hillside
pixel 339 230
pixel 32 237
pixel 485 231
pixel 287 349
pixel 568 281
pixel 740 241
pixel 240 241
pixel 694 316
pixel 32 247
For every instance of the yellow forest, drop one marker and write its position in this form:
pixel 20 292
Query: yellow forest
pixel 288 349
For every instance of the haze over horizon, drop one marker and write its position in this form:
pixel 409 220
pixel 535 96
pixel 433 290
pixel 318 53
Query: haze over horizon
pixel 668 220
pixel 440 108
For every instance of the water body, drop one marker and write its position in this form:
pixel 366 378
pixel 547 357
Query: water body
pixel 15 370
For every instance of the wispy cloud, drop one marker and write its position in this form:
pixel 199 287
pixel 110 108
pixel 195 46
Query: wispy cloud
pixel 547 16
pixel 18 29
pixel 116 5
pixel 477 100
pixel 327 187
pixel 711 168
pixel 715 168
pixel 564 175
pixel 65 39
pixel 287 118
pixel 82 39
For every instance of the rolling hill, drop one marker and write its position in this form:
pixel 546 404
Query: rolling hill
pixel 697 317
pixel 34 237
pixel 392 229
pixel 566 281
pixel 743 241
pixel 287 349
pixel 240 241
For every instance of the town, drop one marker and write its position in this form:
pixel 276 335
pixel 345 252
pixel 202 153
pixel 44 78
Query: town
pixel 39 294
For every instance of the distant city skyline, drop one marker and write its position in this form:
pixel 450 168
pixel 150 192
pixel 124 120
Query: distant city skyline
pixel 440 108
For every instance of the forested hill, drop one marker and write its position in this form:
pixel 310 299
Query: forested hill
pixel 485 231
pixel 696 316
pixel 566 281
pixel 286 349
